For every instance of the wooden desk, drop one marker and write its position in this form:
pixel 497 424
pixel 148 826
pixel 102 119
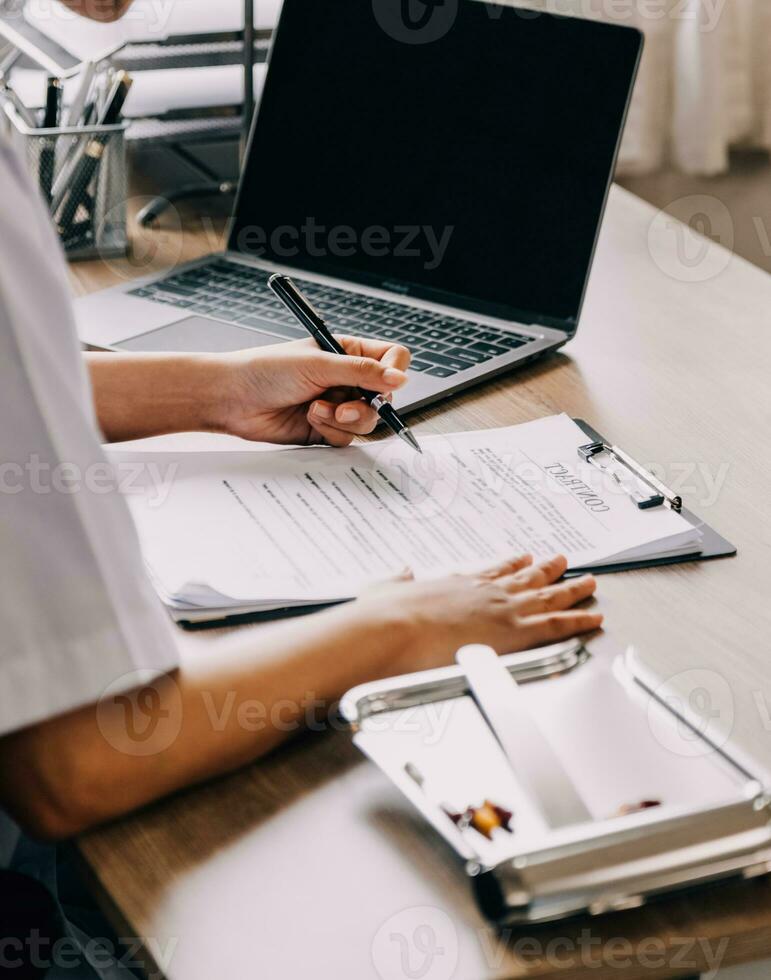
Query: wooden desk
pixel 308 863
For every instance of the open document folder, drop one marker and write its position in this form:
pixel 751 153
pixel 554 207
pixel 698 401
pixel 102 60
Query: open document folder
pixel 230 533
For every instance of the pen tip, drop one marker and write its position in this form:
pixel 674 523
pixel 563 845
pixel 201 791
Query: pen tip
pixel 410 439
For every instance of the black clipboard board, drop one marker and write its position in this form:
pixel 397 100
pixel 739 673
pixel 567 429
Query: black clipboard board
pixel 714 545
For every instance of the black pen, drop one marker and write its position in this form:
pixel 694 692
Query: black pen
pixel 48 145
pixel 88 163
pixel 53 103
pixel 314 323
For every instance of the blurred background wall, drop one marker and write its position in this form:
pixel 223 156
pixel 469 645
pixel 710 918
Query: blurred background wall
pixel 698 136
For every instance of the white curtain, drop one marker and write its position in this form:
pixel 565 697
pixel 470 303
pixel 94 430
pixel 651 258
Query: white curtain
pixel 704 83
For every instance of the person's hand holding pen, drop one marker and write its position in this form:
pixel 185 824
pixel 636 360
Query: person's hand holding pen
pixel 298 394
pixel 290 394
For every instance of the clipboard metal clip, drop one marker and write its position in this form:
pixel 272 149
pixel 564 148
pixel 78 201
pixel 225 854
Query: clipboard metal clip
pixel 643 488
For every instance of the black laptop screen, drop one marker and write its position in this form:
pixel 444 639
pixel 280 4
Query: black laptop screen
pixel 458 151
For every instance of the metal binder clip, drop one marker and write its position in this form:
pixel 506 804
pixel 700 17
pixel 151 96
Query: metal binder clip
pixel 644 489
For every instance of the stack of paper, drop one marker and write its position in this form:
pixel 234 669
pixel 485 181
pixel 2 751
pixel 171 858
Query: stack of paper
pixel 226 533
pixel 158 93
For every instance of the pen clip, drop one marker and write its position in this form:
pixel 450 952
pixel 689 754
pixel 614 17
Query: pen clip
pixel 286 291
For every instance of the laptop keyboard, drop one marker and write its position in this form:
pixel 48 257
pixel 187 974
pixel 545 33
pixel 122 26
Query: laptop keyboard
pixel 441 345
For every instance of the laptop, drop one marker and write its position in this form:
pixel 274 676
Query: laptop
pixel 436 181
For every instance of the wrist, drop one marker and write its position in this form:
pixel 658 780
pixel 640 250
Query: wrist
pixel 214 381
pixel 390 633
pixel 190 391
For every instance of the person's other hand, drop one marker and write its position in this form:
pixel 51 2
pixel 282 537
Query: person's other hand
pixel 514 606
pixel 297 394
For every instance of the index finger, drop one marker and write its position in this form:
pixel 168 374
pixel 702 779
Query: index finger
pixel 536 576
pixel 392 355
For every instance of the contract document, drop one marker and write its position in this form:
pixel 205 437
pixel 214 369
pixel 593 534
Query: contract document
pixel 224 533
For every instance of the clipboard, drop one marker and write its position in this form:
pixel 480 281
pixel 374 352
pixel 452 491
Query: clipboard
pixel 714 545
pixel 669 808
pixel 650 493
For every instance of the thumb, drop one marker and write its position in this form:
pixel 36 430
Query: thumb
pixel 332 370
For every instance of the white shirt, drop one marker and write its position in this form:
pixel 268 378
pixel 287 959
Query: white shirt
pixel 77 613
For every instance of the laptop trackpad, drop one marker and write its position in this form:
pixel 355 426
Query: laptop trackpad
pixel 197 334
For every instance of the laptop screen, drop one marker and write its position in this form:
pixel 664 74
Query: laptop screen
pixel 456 150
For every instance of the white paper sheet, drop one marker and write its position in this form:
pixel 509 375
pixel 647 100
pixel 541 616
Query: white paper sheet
pixel 156 93
pixel 319 524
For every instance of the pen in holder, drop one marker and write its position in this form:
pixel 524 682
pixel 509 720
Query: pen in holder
pixel 83 176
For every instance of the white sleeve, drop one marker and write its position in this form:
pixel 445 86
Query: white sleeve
pixel 77 613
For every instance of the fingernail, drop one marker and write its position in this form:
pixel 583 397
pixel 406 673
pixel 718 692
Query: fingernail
pixel 393 376
pixel 348 415
pixel 322 411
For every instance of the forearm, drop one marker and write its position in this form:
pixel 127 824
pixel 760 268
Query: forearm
pixel 237 699
pixel 231 703
pixel 139 395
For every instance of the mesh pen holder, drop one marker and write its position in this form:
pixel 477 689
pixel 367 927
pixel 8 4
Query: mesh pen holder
pixel 82 176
